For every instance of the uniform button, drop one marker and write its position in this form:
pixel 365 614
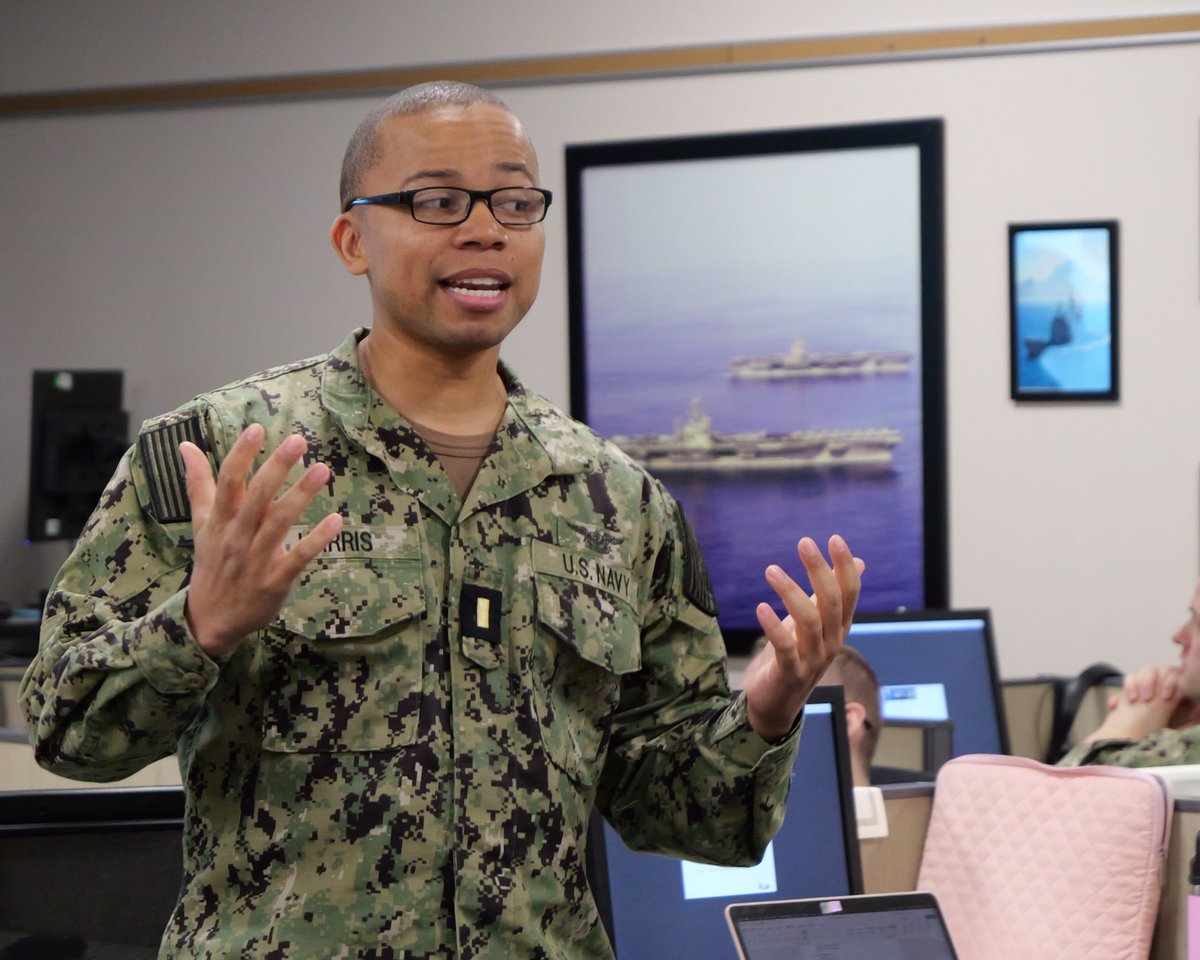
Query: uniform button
pixel 194 681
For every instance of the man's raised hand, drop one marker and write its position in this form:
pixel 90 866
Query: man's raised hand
pixel 801 646
pixel 241 571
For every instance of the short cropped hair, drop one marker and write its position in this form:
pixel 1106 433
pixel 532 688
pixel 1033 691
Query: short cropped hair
pixel 363 151
pixel 851 670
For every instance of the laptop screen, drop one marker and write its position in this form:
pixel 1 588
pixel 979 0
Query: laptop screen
pixel 937 665
pixel 882 927
pixel 656 906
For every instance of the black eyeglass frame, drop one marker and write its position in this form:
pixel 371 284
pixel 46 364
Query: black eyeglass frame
pixel 404 198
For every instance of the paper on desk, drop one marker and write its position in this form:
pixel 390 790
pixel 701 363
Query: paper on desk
pixel 870 813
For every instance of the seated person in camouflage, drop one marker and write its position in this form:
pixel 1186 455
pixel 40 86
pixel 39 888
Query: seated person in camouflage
pixel 411 624
pixel 1155 719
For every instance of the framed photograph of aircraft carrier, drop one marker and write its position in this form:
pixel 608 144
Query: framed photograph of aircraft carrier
pixel 757 318
pixel 1063 310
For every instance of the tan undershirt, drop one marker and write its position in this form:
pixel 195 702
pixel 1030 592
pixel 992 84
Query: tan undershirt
pixel 461 456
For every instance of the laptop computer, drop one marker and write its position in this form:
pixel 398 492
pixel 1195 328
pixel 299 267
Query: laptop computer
pixel 884 926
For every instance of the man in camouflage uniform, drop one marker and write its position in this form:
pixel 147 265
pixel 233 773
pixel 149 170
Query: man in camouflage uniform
pixel 1155 720
pixel 421 623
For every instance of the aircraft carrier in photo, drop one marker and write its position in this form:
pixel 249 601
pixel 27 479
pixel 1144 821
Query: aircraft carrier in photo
pixel 798 362
pixel 695 447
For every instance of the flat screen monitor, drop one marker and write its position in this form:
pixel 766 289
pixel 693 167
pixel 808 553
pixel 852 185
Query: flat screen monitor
pixel 656 906
pixel 937 665
pixel 77 435
pixel 89 873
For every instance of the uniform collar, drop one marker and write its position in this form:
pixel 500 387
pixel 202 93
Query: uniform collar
pixel 344 389
pixel 535 439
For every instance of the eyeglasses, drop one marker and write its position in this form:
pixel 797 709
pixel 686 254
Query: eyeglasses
pixel 511 206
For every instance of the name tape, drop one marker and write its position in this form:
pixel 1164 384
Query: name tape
pixel 381 541
pixel 560 562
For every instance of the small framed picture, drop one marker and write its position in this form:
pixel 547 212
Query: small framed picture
pixel 1063 310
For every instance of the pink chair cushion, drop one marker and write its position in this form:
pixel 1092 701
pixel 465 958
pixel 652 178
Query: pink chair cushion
pixel 1033 862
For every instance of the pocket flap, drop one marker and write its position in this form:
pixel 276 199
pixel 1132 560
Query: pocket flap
pixel 342 599
pixel 587 603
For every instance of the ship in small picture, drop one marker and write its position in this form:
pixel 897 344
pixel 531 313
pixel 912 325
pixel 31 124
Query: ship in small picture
pixel 798 362
pixel 1062 329
pixel 694 447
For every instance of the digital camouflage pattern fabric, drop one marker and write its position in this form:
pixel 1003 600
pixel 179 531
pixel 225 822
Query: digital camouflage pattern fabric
pixel 404 763
pixel 1160 749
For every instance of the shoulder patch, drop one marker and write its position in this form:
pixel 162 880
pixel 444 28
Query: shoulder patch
pixel 165 472
pixel 696 585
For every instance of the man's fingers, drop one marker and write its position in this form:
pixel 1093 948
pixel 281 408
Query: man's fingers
pixel 201 485
pixel 860 567
pixel 1151 683
pixel 287 509
pixel 309 547
pixel 799 637
pixel 826 588
pixel 264 486
pixel 1148 682
pixel 1140 685
pixel 231 479
pixel 779 633
pixel 800 607
pixel 816 624
pixel 848 569
pixel 263 516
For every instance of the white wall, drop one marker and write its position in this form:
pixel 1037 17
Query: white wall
pixel 188 247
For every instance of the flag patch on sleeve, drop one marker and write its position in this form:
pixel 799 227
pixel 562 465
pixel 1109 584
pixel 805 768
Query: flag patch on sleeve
pixel 165 471
pixel 696 585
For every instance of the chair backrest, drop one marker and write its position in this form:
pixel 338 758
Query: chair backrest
pixel 1046 863
pixel 1030 706
pixel 1047 715
pixel 1082 705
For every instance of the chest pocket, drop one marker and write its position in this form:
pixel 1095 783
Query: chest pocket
pixel 343 663
pixel 588 637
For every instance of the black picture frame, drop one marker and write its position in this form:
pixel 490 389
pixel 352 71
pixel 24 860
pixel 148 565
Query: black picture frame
pixel 1064 310
pixel 687 253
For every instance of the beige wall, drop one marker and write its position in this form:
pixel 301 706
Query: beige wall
pixel 62 44
pixel 188 246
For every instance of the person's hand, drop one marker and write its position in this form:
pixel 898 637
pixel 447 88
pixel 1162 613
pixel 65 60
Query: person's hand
pixel 800 646
pixel 241 570
pixel 1149 701
pixel 1132 721
pixel 1152 683
pixel 1147 684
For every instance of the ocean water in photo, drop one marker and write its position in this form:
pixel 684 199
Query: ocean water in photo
pixel 1081 365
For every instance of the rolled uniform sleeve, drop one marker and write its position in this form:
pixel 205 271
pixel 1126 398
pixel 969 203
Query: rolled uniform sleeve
pixel 1160 749
pixel 687 775
pixel 118 676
